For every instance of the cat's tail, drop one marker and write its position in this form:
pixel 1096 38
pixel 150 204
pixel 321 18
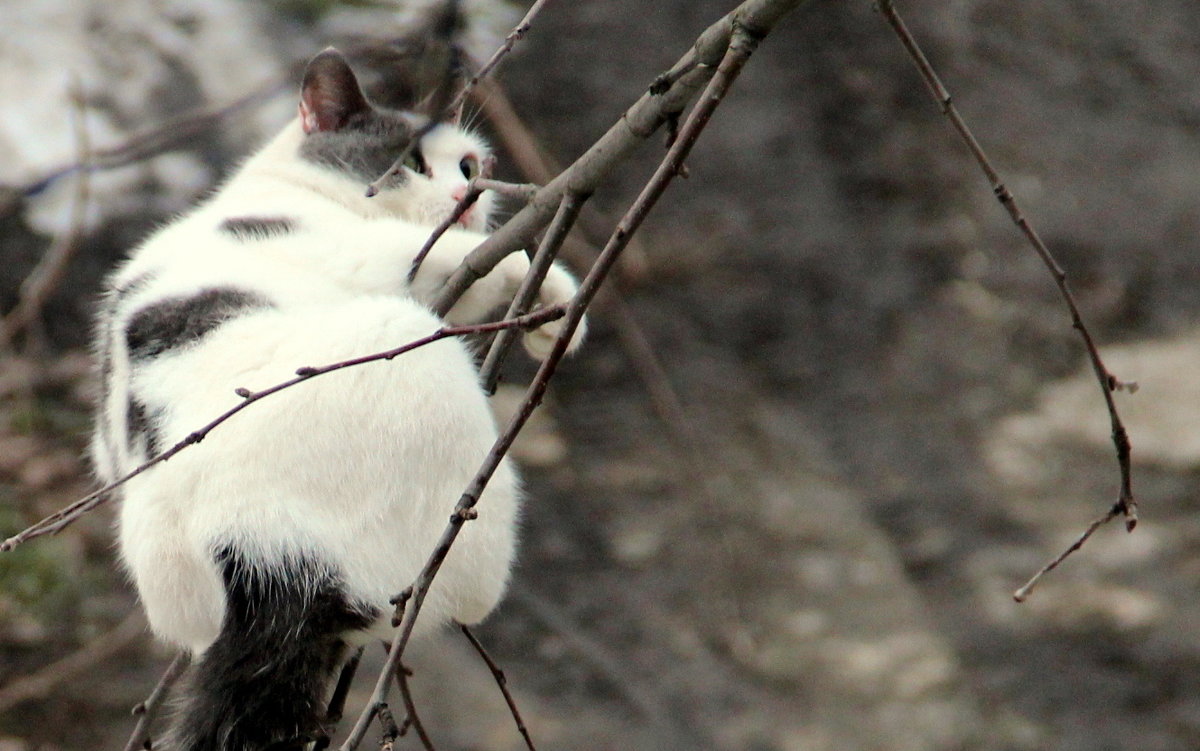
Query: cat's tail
pixel 262 683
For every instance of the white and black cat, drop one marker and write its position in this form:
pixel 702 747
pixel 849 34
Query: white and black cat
pixel 277 541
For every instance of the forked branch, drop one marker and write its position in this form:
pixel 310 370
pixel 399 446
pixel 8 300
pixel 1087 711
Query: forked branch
pixel 502 683
pixel 743 40
pixel 148 710
pixel 1125 505
pixel 666 98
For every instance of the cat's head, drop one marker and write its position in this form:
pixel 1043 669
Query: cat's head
pixel 344 132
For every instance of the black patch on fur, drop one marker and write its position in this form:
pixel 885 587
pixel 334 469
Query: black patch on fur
pixel 364 148
pixel 251 228
pixel 180 321
pixel 108 310
pixel 262 683
pixel 109 304
pixel 138 424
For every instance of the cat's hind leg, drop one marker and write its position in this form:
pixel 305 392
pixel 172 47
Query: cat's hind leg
pixel 262 683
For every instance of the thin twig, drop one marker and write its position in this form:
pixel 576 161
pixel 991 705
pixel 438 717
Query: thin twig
pixel 410 707
pixel 474 190
pixel 147 710
pixel 453 109
pixel 513 37
pixel 531 160
pixel 1021 594
pixel 162 138
pixel 636 125
pixel 743 40
pixel 440 103
pixel 383 682
pixel 520 142
pixel 1125 505
pixel 60 519
pixel 44 682
pixel 520 191
pixel 49 272
pixel 502 683
pixel 539 265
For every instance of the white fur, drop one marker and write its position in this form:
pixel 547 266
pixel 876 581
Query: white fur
pixel 361 467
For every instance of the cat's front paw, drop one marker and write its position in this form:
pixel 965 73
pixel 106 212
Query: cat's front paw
pixel 540 341
pixel 558 287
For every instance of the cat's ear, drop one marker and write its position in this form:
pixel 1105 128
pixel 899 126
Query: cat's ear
pixel 329 94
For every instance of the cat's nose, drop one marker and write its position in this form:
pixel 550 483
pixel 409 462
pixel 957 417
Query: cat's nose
pixel 458 193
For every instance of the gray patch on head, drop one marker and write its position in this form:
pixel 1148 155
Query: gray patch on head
pixel 180 321
pixel 364 148
pixel 252 228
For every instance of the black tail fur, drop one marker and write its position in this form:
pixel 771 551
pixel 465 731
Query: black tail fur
pixel 262 683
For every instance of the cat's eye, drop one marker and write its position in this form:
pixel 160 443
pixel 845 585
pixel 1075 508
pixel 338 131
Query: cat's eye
pixel 415 161
pixel 469 166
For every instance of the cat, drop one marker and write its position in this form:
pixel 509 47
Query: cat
pixel 277 542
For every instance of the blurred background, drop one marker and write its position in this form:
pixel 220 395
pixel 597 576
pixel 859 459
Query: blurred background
pixel 831 415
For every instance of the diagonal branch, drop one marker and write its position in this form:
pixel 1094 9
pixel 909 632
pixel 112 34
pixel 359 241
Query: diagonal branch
pixel 61 518
pixel 451 107
pixel 49 272
pixel 667 97
pixel 744 37
pixel 151 142
pixel 502 682
pixel 1125 505
pixel 147 710
pixel 474 191
pixel 514 36
pixel 489 372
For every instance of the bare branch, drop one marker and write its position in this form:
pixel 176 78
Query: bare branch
pixel 450 107
pixel 391 731
pixel 150 143
pixel 513 37
pixel 521 144
pixel 60 519
pixel 539 265
pixel 410 707
pixel 474 190
pixel 1125 505
pixel 383 682
pixel 521 191
pixel 502 682
pixel 1021 594
pixel 637 124
pixel 743 40
pixel 147 710
pixel 48 273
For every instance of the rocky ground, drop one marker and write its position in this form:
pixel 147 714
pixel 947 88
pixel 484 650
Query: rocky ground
pixel 889 422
